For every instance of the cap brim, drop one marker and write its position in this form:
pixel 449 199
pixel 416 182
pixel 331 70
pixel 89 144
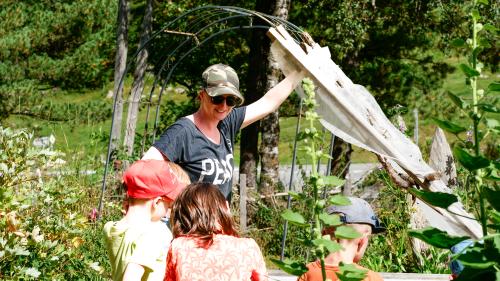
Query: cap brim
pixel 378 229
pixel 225 90
pixel 174 191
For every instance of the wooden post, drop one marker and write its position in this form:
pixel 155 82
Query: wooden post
pixel 415 130
pixel 243 203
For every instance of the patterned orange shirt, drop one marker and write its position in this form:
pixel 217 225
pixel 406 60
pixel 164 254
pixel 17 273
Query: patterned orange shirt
pixel 315 274
pixel 228 258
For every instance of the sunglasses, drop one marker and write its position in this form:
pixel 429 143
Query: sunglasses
pixel 230 100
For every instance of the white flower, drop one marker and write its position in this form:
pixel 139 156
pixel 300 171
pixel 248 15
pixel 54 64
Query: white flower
pixel 95 266
pixel 54 258
pixel 33 272
pixel 35 234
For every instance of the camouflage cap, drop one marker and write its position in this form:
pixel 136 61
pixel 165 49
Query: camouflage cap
pixel 220 79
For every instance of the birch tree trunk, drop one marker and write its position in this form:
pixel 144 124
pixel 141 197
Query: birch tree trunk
pixel 270 130
pixel 120 65
pixel 256 87
pixel 138 84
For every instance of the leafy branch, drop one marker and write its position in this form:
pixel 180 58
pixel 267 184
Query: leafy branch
pixel 317 219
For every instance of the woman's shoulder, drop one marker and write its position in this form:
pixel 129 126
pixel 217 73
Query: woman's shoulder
pixel 182 125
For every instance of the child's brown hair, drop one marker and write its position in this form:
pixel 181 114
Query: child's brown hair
pixel 201 211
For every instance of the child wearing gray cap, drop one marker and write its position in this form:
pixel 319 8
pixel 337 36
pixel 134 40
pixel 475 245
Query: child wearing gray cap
pixel 360 216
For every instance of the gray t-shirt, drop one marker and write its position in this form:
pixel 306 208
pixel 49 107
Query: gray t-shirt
pixel 203 160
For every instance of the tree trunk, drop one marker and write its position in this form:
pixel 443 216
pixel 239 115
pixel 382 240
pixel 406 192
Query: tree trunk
pixel 138 84
pixel 256 87
pixel 269 176
pixel 120 65
pixel 341 158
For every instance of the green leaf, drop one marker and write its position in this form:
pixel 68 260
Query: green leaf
pixel 332 180
pixel 291 267
pixel 449 126
pixel 494 87
pixel 470 162
pixel 493 196
pixel 469 274
pixel 330 245
pixel 330 220
pixel 492 123
pixel 492 175
pixel 489 108
pixel 339 200
pixel 494 216
pixel 475 14
pixel 438 199
pixel 469 72
pixel 496 242
pixel 436 237
pixel 459 42
pixel 350 272
pixel 476 258
pixel 346 232
pixel 296 195
pixel 456 100
pixel 294 218
pixel 485 43
pixel 485 2
pixel 489 27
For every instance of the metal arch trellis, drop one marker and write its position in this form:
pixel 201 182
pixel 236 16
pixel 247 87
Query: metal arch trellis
pixel 199 25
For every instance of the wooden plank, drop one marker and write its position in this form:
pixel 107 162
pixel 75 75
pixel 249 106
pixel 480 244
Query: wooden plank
pixel 278 275
pixel 441 159
pixel 243 203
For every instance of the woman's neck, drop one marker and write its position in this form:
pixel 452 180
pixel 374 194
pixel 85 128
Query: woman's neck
pixel 208 126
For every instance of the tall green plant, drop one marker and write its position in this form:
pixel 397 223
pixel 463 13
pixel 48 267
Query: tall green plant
pixel 320 245
pixel 481 260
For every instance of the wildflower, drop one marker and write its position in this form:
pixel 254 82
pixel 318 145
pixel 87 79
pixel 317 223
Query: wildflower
pixel 93 215
pixel 469 135
pixel 32 272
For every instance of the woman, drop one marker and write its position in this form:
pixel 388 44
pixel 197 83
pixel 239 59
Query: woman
pixel 202 143
pixel 206 245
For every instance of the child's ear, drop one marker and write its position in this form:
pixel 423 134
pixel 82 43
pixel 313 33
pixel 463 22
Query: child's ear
pixel 361 248
pixel 157 200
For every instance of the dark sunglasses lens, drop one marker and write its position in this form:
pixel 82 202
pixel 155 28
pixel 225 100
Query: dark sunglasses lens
pixel 231 101
pixel 218 99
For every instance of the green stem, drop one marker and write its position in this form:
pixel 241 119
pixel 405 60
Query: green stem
pixel 476 118
pixel 483 211
pixel 323 269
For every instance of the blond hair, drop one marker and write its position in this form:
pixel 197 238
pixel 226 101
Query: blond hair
pixel 181 175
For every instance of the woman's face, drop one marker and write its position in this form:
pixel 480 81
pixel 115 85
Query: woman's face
pixel 214 107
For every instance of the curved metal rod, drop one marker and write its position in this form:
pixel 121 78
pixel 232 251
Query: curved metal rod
pixel 185 55
pixel 271 20
pixel 167 61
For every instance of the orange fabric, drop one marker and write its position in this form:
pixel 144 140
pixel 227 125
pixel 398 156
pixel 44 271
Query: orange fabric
pixel 314 273
pixel 229 258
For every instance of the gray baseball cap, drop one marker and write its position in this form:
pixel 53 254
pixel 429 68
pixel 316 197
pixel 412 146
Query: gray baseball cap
pixel 358 212
pixel 220 79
